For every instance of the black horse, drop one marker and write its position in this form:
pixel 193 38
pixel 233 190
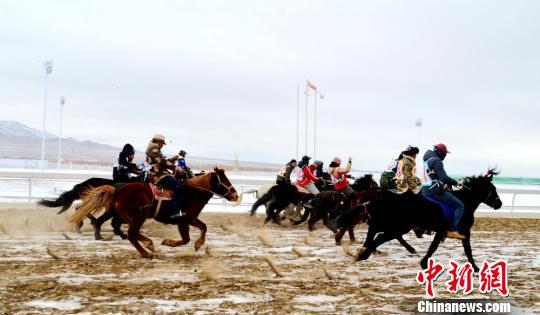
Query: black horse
pixel 66 199
pixel 392 215
pixel 277 199
pixel 327 202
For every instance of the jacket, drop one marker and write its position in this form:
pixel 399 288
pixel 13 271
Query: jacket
pixel 305 175
pixel 284 174
pixel 434 176
pixel 406 175
pixel 339 176
pixel 160 164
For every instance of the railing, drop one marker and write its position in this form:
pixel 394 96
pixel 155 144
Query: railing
pixel 66 181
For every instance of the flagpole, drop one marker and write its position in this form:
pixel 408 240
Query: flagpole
pixel 307 102
pixel 315 128
pixel 297 118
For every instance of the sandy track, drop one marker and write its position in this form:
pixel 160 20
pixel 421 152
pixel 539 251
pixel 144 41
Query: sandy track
pixel 229 275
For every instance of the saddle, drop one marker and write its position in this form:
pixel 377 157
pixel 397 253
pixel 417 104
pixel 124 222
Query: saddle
pixel 447 210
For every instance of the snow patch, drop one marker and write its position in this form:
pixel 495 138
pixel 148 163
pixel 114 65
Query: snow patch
pixel 315 299
pixel 64 305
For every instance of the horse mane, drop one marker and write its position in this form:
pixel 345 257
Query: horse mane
pixel 481 178
pixel 200 181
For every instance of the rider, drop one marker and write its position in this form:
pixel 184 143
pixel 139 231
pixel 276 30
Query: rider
pixel 339 175
pixel 406 178
pixel 182 169
pixel 433 186
pixel 284 175
pixel 124 165
pixel 160 169
pixel 319 171
pixel 305 177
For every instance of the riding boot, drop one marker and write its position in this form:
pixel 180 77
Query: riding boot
pixel 455 234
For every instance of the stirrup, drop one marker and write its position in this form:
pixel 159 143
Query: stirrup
pixel 177 215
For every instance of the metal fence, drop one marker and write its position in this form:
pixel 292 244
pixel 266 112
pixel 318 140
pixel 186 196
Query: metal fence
pixel 21 187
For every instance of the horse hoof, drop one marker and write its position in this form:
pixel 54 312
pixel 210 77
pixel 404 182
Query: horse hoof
pixel 151 247
pixel 167 242
pixel 99 238
pixel 414 252
pixel 423 264
pixel 198 245
pixel 123 236
pixel 338 243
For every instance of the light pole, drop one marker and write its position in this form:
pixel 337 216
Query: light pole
pixel 48 70
pixel 62 103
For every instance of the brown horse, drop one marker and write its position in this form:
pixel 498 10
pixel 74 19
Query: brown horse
pixel 134 203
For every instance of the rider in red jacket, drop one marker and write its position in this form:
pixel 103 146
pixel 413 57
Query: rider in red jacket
pixel 305 177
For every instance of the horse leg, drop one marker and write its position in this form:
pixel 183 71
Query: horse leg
pixel 269 211
pixel 183 228
pixel 339 235
pixel 134 236
pixel 379 240
pixel 304 217
pixel 92 219
pixel 364 252
pixel 116 224
pixel 468 250
pixel 147 242
pixel 404 243
pixel 316 215
pixel 351 232
pixel 432 248
pixel 201 226
pixel 99 221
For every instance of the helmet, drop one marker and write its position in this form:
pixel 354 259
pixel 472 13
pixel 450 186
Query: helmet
pixel 182 153
pixel 318 163
pixel 441 148
pixel 158 137
pixel 306 158
pixel 336 160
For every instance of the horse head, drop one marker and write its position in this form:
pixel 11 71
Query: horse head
pixel 483 189
pixel 222 186
pixel 365 183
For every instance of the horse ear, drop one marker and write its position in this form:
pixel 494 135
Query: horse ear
pixel 215 169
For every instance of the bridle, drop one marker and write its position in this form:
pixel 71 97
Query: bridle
pixel 491 198
pixel 221 184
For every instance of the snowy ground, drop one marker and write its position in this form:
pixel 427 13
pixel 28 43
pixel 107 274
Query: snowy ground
pixel 229 275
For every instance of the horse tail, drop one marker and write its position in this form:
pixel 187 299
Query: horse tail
pixel 94 200
pixel 64 200
pixel 264 199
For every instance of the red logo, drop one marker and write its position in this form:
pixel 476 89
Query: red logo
pixel 460 278
pixel 429 275
pixel 493 277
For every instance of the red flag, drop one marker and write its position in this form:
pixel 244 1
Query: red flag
pixel 311 85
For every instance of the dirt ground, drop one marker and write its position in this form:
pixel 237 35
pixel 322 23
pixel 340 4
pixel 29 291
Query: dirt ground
pixel 46 268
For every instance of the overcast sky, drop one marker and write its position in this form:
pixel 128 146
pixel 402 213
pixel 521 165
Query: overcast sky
pixel 220 77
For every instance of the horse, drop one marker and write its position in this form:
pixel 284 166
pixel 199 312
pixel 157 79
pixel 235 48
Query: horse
pixel 392 215
pixel 324 202
pixel 277 199
pixel 135 202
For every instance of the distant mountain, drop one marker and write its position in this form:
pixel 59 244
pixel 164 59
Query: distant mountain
pixel 20 141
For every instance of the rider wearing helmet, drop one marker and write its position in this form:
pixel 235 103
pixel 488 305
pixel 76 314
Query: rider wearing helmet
pixel 435 178
pixel 161 171
pixel 339 175
pixel 124 165
pixel 305 177
pixel 182 170
pixel 319 171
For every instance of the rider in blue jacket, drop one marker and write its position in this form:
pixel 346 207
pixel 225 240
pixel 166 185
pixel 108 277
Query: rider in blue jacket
pixel 435 178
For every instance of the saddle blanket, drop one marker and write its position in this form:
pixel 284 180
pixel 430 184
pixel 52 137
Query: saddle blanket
pixel 161 193
pixel 448 212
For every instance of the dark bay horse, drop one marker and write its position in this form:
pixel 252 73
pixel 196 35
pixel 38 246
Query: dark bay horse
pixel 392 215
pixel 134 203
pixel 277 199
